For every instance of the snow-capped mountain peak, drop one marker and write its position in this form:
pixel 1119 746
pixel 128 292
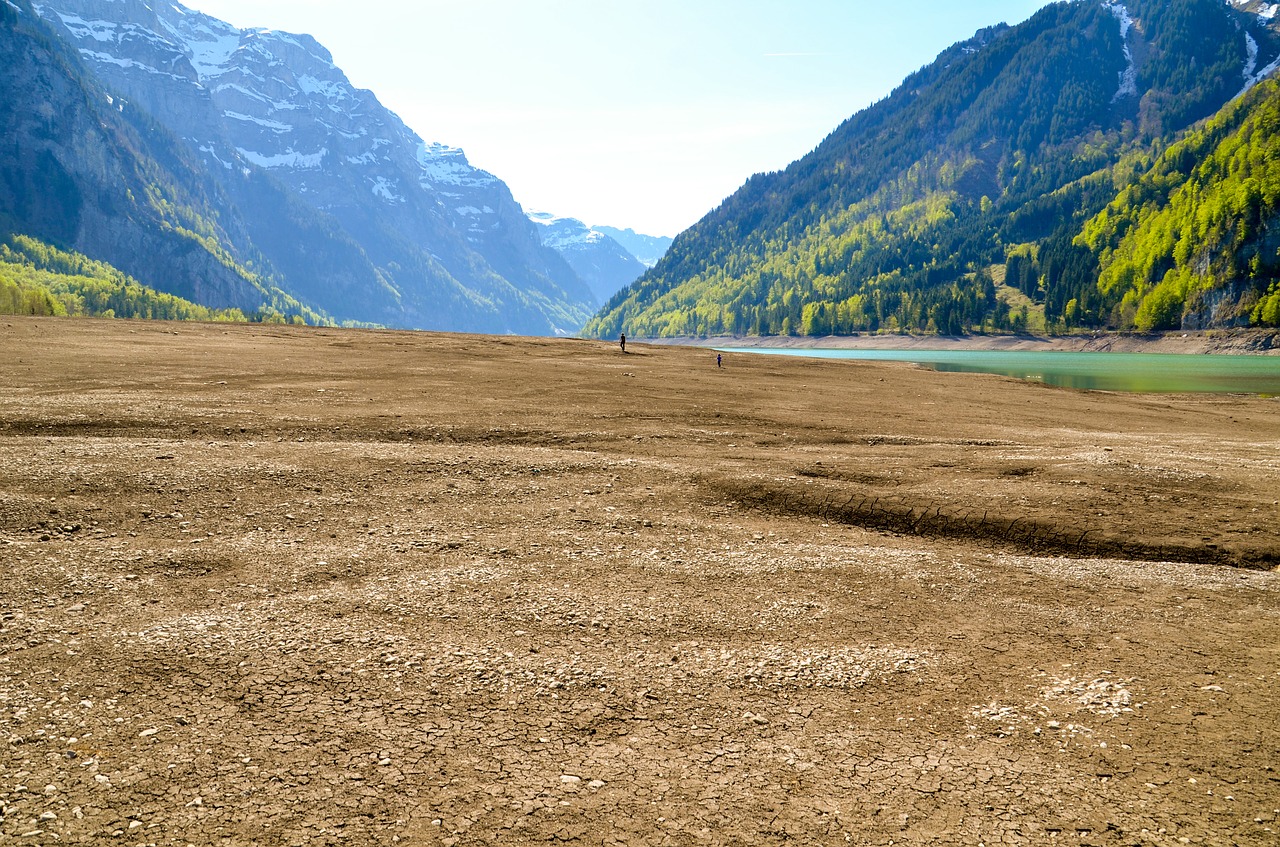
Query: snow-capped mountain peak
pixel 604 264
pixel 565 233
pixel 249 99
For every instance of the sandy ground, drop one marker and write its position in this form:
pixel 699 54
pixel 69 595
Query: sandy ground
pixel 268 586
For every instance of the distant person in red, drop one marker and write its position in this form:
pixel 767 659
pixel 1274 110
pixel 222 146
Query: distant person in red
pixel 622 341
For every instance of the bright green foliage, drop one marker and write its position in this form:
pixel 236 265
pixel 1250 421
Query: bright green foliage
pixel 1196 241
pixel 1267 312
pixel 36 279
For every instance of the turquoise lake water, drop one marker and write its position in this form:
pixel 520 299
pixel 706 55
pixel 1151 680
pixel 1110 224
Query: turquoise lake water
pixel 1137 372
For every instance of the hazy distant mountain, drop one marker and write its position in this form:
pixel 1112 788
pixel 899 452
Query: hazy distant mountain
pixel 343 203
pixel 601 262
pixel 1028 156
pixel 649 249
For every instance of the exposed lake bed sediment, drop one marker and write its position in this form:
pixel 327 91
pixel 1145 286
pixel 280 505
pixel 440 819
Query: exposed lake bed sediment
pixel 1219 341
pixel 269 585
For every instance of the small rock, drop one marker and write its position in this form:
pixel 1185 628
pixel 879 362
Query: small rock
pixel 147 733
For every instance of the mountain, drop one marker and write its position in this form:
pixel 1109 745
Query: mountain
pixel 345 205
pixel 649 249
pixel 37 279
pixel 967 191
pixel 1195 242
pixel 90 173
pixel 600 261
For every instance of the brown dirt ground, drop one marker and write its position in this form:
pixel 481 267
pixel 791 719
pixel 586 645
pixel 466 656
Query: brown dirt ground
pixel 277 586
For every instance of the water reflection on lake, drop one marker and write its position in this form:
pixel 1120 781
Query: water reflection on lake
pixel 1136 372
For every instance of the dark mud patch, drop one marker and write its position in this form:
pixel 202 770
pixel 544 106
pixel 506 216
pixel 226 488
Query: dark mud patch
pixel 931 519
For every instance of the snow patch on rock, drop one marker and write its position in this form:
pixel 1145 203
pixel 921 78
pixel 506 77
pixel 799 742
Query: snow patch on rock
pixel 1129 76
pixel 382 187
pixel 288 159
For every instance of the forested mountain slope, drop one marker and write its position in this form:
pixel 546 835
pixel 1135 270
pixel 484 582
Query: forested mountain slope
pixel 36 279
pixel 997 154
pixel 1196 241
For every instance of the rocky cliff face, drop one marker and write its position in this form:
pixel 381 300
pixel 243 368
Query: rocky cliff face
pixel 422 238
pixel 86 171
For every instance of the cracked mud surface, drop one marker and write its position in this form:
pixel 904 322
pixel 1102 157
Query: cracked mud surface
pixel 268 586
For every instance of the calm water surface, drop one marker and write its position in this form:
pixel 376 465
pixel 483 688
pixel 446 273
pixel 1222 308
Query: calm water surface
pixel 1138 372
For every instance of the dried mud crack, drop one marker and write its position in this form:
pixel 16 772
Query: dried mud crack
pixel 278 586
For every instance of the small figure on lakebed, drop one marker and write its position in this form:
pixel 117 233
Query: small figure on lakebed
pixel 622 342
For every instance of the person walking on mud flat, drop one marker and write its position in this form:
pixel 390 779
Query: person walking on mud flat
pixel 622 342
pixel 718 360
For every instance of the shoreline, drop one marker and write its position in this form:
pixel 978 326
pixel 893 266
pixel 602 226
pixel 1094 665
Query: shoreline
pixel 1261 342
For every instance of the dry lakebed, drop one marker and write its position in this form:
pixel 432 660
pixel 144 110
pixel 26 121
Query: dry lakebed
pixel 290 586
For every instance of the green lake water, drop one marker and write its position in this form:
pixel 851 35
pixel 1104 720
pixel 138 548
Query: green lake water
pixel 1161 373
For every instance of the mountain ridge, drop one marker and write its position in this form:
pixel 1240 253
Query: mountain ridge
pixel 347 205
pixel 601 262
pixel 1008 141
pixel 649 249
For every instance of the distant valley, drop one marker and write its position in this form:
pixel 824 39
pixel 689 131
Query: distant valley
pixel 240 170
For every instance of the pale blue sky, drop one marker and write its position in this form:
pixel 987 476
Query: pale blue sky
pixel 645 113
